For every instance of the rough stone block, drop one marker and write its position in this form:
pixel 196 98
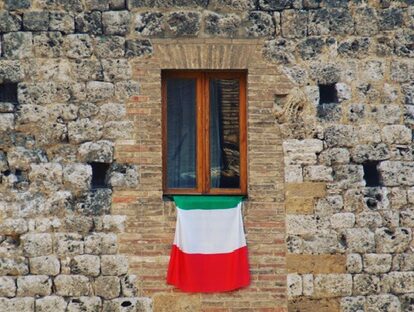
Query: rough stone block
pixel 97 202
pixel 47 265
pixel 84 304
pixel 37 244
pixel 77 177
pixel 333 156
pixel 392 240
pixel 365 284
pixel 83 130
pixel 342 220
pixel 138 47
pixel 294 23
pixel 110 223
pixel 90 23
pixel 7 286
pixel 69 244
pixel 317 173
pixel 34 285
pixel 299 205
pixel 51 304
pixel 72 285
pixel 17 45
pixel 99 91
pixel 353 263
pixel 78 46
pixel 259 24
pixel 329 205
pixel 315 264
pixel 61 21
pixel 86 265
pixel 294 285
pixel 36 21
pixel 114 265
pixel 6 122
pixel 108 287
pixel 304 224
pixel 377 263
pixel 123 176
pixel 332 285
pixel 387 303
pixel 15 266
pixel 349 304
pixel 101 243
pixel 396 173
pixel 13 227
pixel 222 25
pixel 340 136
pixel 24 304
pixel 17 4
pixel 370 152
pixel 135 304
pixel 306 189
pixel 396 134
pixel 128 287
pixel 109 46
pixel 360 240
pixel 46 177
pixel 116 22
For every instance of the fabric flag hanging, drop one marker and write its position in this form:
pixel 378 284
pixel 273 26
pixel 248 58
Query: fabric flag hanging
pixel 209 253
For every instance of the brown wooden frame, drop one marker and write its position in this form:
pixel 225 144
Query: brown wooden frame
pixel 203 130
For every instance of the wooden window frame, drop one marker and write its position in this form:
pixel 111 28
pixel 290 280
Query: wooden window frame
pixel 203 130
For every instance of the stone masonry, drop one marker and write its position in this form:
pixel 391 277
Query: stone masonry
pixel 330 211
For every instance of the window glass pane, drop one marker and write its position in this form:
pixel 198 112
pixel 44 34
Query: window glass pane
pixel 224 133
pixel 181 133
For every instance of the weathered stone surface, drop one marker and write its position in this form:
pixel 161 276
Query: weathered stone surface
pixel 101 243
pixel 294 23
pixel 360 240
pixel 78 46
pixel 394 173
pixel 34 285
pixel 392 240
pixel 183 24
pixel 7 286
pixel 68 244
pixel 354 263
pixel 123 176
pixel 332 285
pixel 15 266
pixel 365 284
pixel 116 22
pixel 72 285
pixel 294 285
pixel 51 304
pixel 36 21
pixel 109 46
pixel 88 265
pixel 9 22
pixel 128 287
pixel 46 265
pixel 37 244
pixel 316 264
pixel 24 304
pixel 137 303
pixel 349 304
pixel 84 304
pixel 114 265
pixel 77 177
pixel 222 25
pixel 108 287
pixel 61 21
pixel 89 23
pixel 396 134
pixel 260 24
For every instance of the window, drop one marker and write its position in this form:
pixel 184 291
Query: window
pixel 204 132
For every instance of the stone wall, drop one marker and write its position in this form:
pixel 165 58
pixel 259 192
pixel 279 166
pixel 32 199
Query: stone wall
pixel 330 100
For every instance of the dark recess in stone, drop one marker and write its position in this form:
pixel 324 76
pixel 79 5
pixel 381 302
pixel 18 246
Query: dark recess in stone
pixel 8 92
pixel 99 175
pixel 126 303
pixel 371 174
pixel 327 94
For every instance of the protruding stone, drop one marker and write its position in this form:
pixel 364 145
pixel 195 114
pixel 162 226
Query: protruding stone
pixel 114 265
pixel 86 265
pixel 46 265
pixel 108 287
pixel 51 304
pixel 72 285
pixel 34 285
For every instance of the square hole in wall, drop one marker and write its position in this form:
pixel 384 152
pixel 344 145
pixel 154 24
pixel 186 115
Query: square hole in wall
pixel 328 94
pixel 8 92
pixel 99 175
pixel 371 173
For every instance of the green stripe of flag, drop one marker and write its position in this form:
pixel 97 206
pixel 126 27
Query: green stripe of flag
pixel 189 202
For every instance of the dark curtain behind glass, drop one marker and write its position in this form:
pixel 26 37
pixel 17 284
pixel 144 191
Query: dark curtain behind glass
pixel 181 133
pixel 224 134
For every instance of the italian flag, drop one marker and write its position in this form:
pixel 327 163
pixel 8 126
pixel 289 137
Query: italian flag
pixel 209 253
